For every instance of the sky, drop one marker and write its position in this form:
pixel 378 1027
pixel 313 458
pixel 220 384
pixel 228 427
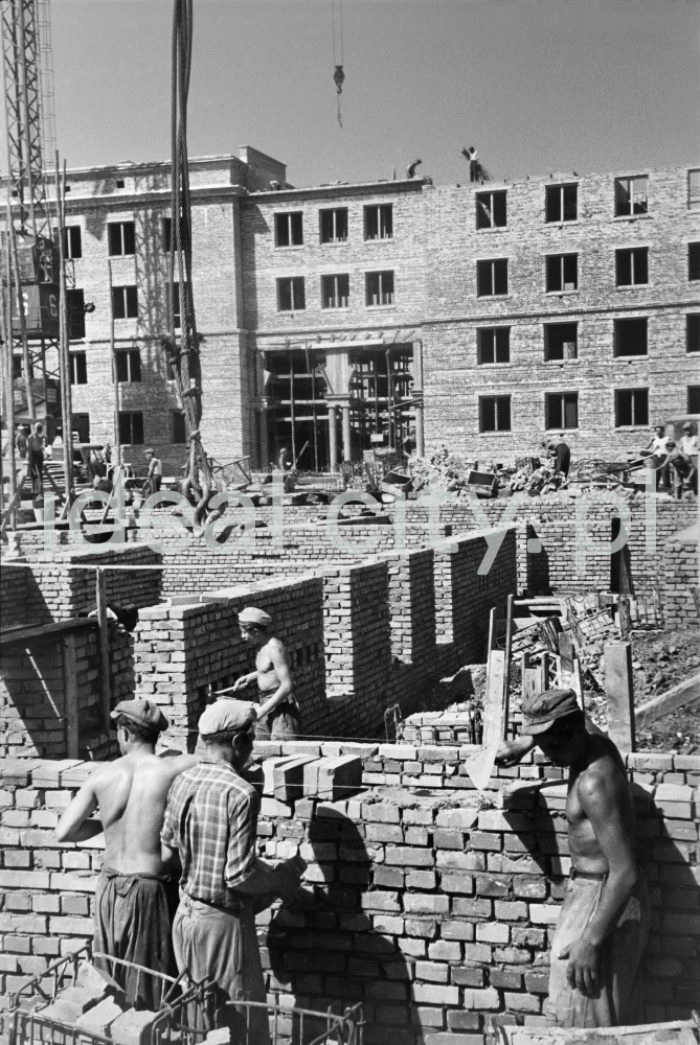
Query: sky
pixel 535 85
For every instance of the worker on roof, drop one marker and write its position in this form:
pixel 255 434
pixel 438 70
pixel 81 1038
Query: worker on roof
pixel 136 890
pixel 685 461
pixel 595 967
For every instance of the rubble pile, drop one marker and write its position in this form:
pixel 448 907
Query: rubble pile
pixel 443 470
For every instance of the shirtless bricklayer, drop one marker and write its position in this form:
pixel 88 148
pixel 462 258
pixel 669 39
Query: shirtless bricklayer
pixel 278 711
pixel 601 932
pixel 136 892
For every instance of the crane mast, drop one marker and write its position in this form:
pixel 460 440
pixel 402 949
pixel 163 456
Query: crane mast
pixel 31 262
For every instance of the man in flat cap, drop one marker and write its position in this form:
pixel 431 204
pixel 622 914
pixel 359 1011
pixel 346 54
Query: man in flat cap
pixel 136 891
pixel 602 927
pixel 278 712
pixel 210 822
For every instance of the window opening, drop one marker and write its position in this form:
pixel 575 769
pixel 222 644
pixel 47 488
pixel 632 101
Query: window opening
pixel 128 365
pixel 561 272
pixel 631 196
pixel 492 277
pixel 131 427
pixel 121 237
pixel 291 296
pixel 631 407
pixel 379 288
pixel 78 368
pixel 631 266
pixel 333 225
pixel 494 413
pixel 379 222
pixel 561 410
pixel 561 203
pixel 125 302
pixel 560 341
pixel 692 332
pixel 630 337
pixel 493 345
pixel 491 209
pixel 289 229
pixel 335 291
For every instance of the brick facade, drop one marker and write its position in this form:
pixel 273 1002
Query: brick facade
pixel 431 319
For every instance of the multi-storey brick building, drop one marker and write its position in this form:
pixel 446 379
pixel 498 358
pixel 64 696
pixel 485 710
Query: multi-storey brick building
pixel 339 317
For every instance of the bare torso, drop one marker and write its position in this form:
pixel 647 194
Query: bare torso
pixel 268 680
pixel 604 770
pixel 131 795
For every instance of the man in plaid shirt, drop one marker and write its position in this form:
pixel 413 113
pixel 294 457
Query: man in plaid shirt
pixel 210 822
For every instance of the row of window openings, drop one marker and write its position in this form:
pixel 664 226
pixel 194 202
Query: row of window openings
pixel 561 409
pixel 630 338
pixel 561 205
pixel 335 291
pixel 131 431
pixel 561 272
pixel 121 238
pixel 492 346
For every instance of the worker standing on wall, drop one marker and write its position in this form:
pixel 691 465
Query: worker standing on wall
pixel 136 891
pixel 154 475
pixel 596 955
pixel 278 714
pixel 561 456
pixel 35 459
pixel 211 822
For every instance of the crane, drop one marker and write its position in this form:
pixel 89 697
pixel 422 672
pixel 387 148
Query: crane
pixel 32 267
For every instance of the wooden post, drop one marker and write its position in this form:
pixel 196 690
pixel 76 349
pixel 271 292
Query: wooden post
pixel 619 690
pixel 624 616
pixel 103 640
pixel 70 698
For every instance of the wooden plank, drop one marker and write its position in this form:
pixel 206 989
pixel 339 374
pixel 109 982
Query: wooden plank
pixel 566 651
pixel 619 690
pixel 494 702
pixel 71 710
pixel 103 626
pixel 686 692
pixel 676 1032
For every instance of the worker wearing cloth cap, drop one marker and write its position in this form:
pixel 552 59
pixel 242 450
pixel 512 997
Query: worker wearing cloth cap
pixel 278 714
pixel 602 926
pixel 136 891
pixel 210 822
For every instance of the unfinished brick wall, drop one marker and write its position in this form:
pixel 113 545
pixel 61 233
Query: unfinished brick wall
pixel 436 906
pixel 679 578
pixel 57 589
pixel 51 696
pixel 181 651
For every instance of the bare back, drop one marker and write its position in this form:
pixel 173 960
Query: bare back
pixel 131 794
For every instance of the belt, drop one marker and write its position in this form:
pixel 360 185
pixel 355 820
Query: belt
pixel 596 876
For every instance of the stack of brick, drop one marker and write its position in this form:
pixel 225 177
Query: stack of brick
pixel 435 906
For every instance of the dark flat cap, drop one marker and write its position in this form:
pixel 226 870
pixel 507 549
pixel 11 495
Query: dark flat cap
pixel 542 710
pixel 143 712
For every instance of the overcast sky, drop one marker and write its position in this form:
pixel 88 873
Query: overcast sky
pixel 536 85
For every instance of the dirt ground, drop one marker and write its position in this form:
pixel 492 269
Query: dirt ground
pixel 660 660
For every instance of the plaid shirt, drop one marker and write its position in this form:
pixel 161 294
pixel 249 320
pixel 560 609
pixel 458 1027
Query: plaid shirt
pixel 211 819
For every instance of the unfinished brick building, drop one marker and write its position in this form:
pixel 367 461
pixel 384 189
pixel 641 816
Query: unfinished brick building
pixel 395 313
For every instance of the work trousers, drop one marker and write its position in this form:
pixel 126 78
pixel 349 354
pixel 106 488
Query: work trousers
pixel 220 945
pixel 617 1002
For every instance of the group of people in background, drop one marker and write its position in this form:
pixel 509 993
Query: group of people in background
pixel 675 462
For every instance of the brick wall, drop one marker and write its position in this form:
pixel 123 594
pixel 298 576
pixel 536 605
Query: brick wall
pixel 180 651
pixel 56 588
pixel 679 577
pixel 51 690
pixel 436 904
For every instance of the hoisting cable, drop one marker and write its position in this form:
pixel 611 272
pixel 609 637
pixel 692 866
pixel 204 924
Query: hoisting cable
pixel 339 72
pixel 184 358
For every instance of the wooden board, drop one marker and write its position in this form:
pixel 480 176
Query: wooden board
pixel 674 1033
